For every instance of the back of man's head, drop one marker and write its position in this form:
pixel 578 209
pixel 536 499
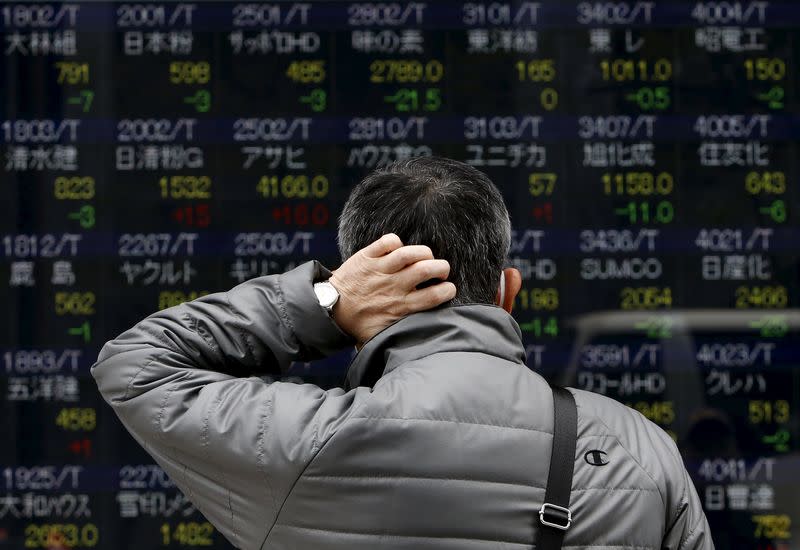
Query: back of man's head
pixel 445 204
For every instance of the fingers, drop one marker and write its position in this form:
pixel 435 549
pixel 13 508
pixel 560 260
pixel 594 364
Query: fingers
pixel 386 244
pixel 404 256
pixel 429 297
pixel 422 271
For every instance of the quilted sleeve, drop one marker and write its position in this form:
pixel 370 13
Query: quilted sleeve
pixel 183 383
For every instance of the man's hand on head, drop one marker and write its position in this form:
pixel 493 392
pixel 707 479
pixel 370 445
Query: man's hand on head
pixel 378 285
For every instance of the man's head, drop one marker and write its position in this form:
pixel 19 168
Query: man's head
pixel 445 204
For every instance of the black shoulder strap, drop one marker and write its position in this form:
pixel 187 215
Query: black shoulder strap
pixel 555 516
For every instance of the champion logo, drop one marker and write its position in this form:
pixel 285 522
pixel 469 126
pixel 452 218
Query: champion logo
pixel 596 457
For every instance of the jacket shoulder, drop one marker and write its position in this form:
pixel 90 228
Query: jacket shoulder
pixel 646 443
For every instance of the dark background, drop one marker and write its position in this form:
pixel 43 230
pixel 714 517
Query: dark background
pixel 647 152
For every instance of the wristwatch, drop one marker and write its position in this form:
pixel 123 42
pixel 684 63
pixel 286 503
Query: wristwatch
pixel 327 295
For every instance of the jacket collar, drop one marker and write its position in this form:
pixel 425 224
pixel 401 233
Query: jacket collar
pixel 472 327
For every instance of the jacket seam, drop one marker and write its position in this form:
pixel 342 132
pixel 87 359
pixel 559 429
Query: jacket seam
pixel 145 327
pixel 230 505
pixel 135 376
pixel 689 534
pixel 205 440
pixel 681 508
pixel 199 327
pixel 262 437
pixel 636 460
pixel 429 478
pixel 168 389
pixel 600 545
pixel 409 361
pixel 449 421
pixel 639 489
pixel 398 536
pixel 303 471
pixel 190 493
pixel 475 480
pixel 245 337
pixel 683 502
pixel 284 313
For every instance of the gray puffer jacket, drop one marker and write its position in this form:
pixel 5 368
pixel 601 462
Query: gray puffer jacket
pixel 447 446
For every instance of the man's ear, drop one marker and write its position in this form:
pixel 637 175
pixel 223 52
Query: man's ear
pixel 511 282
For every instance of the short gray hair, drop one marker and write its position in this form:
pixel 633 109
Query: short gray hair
pixel 448 205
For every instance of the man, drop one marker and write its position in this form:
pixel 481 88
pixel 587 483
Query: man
pixel 440 439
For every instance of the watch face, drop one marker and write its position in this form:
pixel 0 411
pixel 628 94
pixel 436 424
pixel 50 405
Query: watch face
pixel 326 294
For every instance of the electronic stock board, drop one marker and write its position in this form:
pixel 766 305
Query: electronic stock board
pixel 154 152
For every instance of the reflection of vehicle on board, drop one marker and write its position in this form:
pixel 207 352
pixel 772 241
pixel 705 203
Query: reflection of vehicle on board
pixel 725 384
